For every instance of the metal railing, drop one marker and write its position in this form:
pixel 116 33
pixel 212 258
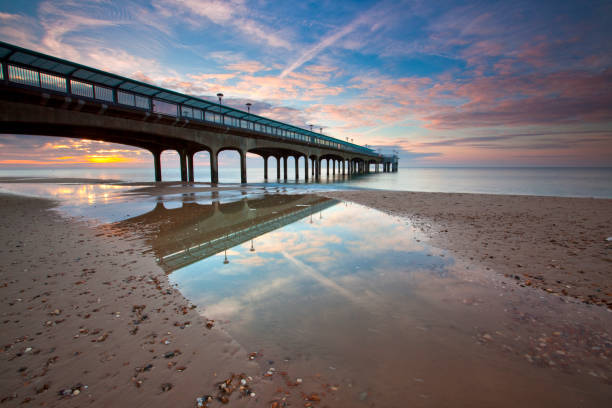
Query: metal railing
pixel 27 70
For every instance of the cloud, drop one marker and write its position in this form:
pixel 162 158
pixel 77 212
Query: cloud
pixel 371 18
pixel 53 151
pixel 480 140
pixel 249 67
pixel 233 13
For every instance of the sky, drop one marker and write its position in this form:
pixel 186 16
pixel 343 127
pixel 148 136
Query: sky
pixel 446 83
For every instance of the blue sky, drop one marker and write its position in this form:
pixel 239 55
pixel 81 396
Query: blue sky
pixel 446 82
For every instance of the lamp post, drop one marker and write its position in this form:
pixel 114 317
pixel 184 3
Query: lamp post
pixel 321 130
pixel 310 127
pixel 248 105
pixel 220 96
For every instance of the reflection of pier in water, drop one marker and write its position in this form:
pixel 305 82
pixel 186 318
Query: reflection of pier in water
pixel 182 236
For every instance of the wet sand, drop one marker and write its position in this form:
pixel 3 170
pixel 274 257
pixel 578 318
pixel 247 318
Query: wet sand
pixel 556 244
pixel 85 313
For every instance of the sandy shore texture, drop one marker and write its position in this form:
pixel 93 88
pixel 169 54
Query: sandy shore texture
pixel 555 244
pixel 88 321
pixel 89 318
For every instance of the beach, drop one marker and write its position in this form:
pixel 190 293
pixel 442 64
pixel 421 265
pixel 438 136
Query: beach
pixel 89 317
pixel 557 244
pixel 89 321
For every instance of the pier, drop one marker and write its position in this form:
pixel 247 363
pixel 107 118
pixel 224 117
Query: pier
pixel 44 95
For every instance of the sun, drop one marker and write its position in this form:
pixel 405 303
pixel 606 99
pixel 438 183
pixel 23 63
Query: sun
pixel 107 159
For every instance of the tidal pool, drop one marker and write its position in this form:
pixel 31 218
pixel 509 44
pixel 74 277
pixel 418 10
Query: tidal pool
pixel 364 312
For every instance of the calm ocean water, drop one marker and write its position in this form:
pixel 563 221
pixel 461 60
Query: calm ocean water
pixel 557 181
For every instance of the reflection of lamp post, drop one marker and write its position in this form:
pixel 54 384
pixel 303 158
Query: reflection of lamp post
pixel 226 261
pixel 220 96
pixel 311 218
pixel 252 248
pixel 321 215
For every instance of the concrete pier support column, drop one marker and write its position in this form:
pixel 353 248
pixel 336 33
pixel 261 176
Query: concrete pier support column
pixel 319 162
pixel 334 167
pixel 327 167
pixel 278 159
pixel 306 158
pixel 214 167
pixel 157 164
pixel 190 171
pixel 183 158
pixel 243 169
pixel 312 164
pixel 297 167
pixel 285 158
pixel 265 167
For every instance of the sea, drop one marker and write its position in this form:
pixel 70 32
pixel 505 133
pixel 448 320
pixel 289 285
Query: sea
pixel 593 182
